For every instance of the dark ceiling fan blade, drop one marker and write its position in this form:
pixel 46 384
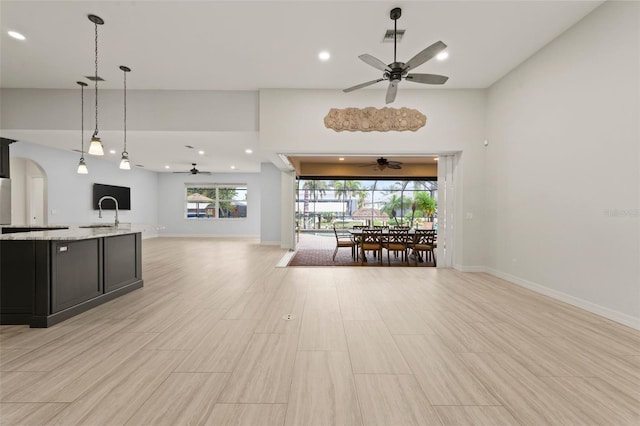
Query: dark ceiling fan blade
pixel 374 62
pixel 392 91
pixel 360 86
pixel 425 55
pixel 195 171
pixel 394 166
pixel 427 78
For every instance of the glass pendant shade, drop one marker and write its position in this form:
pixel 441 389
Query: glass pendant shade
pixel 124 162
pixel 96 146
pixel 82 167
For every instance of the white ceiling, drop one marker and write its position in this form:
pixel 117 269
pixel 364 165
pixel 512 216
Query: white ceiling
pixel 243 45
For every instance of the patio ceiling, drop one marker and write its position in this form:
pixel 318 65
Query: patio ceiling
pixel 358 166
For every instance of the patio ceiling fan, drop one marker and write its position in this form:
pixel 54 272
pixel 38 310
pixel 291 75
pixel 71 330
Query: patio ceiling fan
pixel 195 171
pixel 396 71
pixel 382 163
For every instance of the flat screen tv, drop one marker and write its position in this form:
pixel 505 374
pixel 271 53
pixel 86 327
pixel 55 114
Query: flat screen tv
pixel 120 193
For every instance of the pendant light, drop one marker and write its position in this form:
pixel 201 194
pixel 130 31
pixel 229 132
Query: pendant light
pixel 82 167
pixel 96 144
pixel 124 161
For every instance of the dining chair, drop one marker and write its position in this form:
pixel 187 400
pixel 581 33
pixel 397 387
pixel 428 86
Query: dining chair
pixel 344 241
pixel 383 227
pixel 401 227
pixel 423 242
pixel 371 240
pixel 397 241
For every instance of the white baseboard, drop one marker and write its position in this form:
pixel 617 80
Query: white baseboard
pixel 284 262
pixel 622 318
pixel 462 268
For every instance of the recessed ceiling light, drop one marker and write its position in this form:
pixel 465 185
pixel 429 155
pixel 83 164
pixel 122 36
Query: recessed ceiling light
pixel 112 151
pixel 324 56
pixel 442 55
pixel 233 167
pixel 341 159
pixel 248 151
pixel 167 167
pixel 16 35
pixel 435 159
pixel 201 152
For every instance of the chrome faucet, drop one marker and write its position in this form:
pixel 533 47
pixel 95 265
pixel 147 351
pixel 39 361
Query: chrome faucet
pixel 108 197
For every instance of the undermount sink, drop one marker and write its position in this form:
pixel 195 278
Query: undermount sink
pixel 97 226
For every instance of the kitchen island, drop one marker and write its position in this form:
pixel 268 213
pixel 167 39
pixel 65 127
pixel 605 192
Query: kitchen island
pixel 47 276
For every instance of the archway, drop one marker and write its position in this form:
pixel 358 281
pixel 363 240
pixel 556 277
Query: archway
pixel 28 193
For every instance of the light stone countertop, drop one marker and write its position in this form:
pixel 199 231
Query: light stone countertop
pixel 79 232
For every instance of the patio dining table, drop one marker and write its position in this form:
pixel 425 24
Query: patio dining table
pixel 356 233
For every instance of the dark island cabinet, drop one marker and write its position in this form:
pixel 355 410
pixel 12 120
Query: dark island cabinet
pixel 45 282
pixel 122 264
pixel 75 272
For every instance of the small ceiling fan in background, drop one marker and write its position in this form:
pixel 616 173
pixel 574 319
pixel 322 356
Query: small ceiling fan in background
pixel 396 71
pixel 382 163
pixel 195 171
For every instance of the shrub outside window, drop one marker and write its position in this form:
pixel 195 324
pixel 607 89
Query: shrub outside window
pixel 216 201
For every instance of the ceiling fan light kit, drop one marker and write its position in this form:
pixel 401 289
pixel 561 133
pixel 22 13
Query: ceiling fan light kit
pixel 374 119
pixel 396 71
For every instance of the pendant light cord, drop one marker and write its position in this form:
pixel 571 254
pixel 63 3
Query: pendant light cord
pixel 125 112
pixel 96 81
pixel 82 119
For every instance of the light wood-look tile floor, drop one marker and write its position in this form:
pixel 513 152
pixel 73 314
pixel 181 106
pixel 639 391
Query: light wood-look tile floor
pixel 205 342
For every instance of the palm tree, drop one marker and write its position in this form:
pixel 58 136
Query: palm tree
pixel 394 204
pixel 319 189
pixel 400 203
pixel 347 188
pixel 426 204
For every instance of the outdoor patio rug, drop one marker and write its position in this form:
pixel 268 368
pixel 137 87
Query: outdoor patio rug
pixel 315 257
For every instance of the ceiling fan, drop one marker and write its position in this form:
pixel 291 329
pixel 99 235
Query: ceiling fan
pixel 396 71
pixel 382 163
pixel 195 171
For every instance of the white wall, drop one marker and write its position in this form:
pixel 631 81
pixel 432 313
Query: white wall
pixel 563 167
pixel 291 121
pixel 70 194
pixel 168 110
pixel 270 200
pixel 171 199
